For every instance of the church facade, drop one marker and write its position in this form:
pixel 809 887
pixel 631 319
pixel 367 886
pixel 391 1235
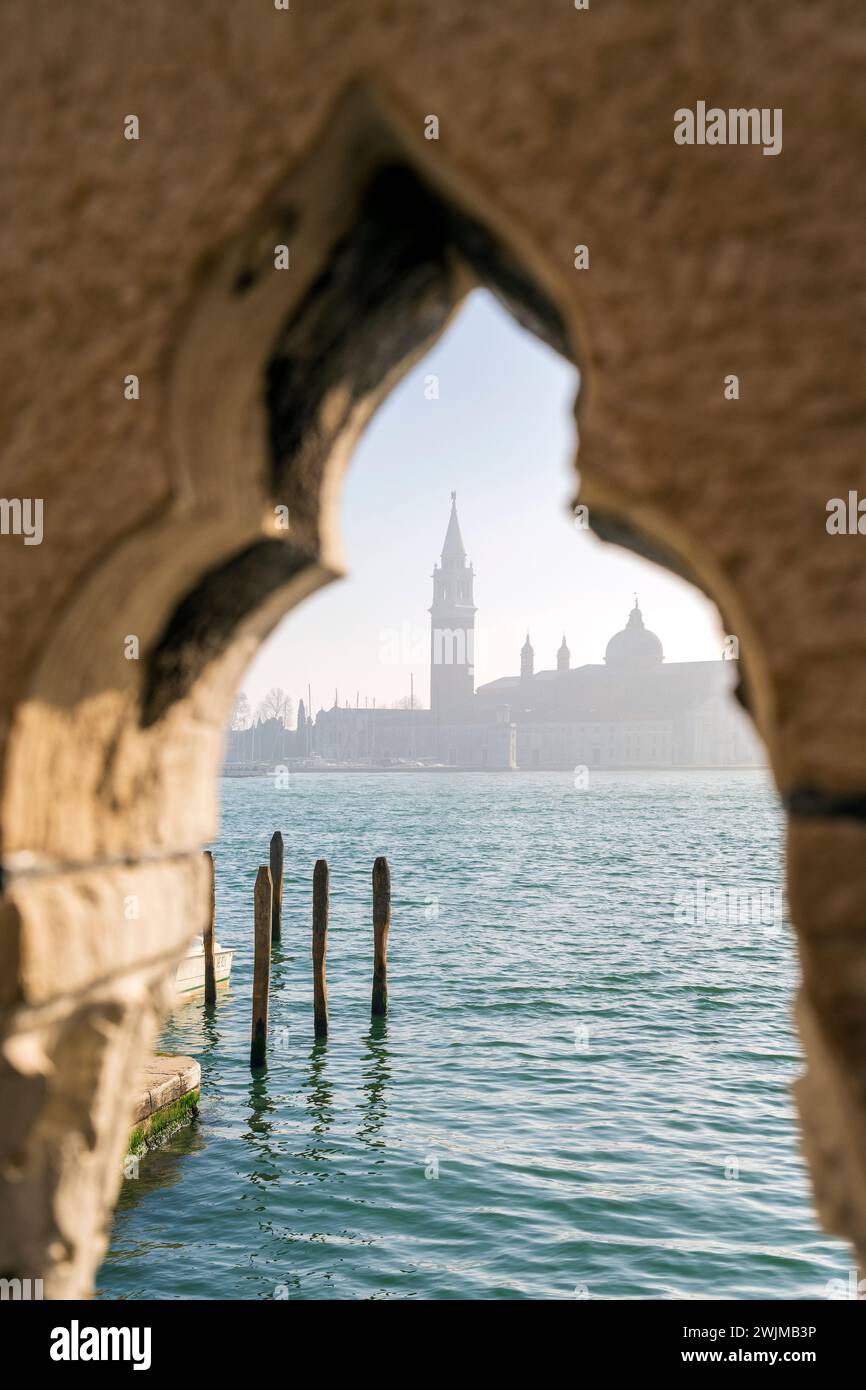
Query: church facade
pixel 632 710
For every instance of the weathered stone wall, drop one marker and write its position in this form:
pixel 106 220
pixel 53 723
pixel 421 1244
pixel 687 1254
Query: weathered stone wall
pixel 155 257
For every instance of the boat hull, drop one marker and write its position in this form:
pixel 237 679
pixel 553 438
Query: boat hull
pixel 189 975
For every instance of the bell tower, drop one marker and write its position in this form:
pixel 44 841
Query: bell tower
pixel 527 660
pixel 452 625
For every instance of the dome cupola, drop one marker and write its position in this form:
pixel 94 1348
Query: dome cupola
pixel 635 645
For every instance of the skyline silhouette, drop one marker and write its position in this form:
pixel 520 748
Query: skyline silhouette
pixel 501 434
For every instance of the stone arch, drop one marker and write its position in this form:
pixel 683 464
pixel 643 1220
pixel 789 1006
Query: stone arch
pixel 263 384
pixel 268 388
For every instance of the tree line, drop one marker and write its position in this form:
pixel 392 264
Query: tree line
pixel 275 705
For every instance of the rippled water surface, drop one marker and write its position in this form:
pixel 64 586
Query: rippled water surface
pixel 599 1078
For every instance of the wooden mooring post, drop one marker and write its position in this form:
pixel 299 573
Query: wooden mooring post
pixel 381 923
pixel 208 937
pixel 263 899
pixel 321 890
pixel 277 880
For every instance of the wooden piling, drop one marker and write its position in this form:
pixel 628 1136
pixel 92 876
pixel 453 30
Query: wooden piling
pixel 277 880
pixel 263 899
pixel 381 923
pixel 321 890
pixel 208 938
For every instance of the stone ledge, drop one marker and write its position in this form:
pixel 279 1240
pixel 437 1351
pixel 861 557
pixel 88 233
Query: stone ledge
pixel 162 1080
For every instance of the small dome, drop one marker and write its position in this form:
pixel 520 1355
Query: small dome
pixel 635 645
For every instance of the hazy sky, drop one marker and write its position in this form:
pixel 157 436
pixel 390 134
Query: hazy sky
pixel 501 435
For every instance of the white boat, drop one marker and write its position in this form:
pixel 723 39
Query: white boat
pixel 189 975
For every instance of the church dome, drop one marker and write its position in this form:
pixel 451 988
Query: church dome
pixel 635 645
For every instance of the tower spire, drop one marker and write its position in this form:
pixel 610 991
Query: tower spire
pixel 452 636
pixel 527 660
pixel 453 551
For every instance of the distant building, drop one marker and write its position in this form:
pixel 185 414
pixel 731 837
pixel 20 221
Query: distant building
pixel 633 710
